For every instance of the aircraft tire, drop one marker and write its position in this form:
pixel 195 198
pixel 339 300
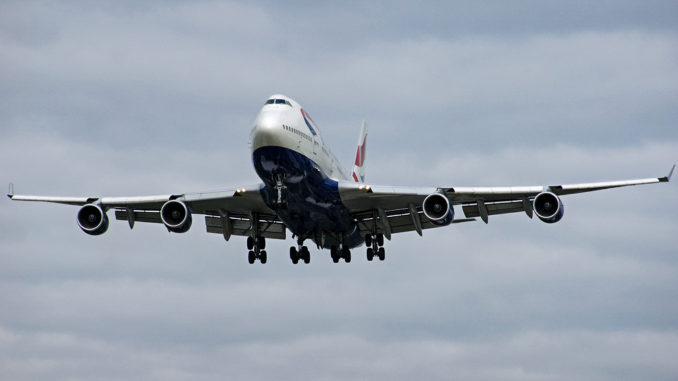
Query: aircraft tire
pixel 293 255
pixel 305 255
pixel 250 257
pixel 347 255
pixel 380 239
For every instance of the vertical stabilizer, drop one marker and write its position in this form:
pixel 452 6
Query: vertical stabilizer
pixel 359 166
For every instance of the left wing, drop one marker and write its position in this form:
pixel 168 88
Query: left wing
pixel 228 212
pixel 389 209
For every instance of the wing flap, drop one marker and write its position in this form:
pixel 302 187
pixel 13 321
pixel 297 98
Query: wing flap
pixel 473 210
pixel 138 216
pixel 243 227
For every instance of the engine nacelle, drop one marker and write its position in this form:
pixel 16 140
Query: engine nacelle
pixel 438 210
pixel 176 216
pixel 548 207
pixel 92 219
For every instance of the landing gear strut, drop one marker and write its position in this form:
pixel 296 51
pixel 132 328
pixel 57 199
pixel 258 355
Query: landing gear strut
pixel 256 246
pixel 375 246
pixel 280 200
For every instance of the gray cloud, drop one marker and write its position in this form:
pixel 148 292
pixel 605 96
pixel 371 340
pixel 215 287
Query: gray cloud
pixel 126 98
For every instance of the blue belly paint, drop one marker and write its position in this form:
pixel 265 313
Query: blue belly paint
pixel 313 202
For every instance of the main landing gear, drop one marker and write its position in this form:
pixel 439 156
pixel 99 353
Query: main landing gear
pixel 375 246
pixel 337 253
pixel 300 253
pixel 256 246
pixel 374 243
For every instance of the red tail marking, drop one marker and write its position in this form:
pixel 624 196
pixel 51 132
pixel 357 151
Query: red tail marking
pixel 360 154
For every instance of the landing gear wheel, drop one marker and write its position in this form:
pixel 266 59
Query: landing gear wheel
pixel 261 243
pixel 381 253
pixel 305 255
pixel 380 239
pixel 250 257
pixel 334 253
pixel 347 255
pixel 263 257
pixel 370 254
pixel 368 240
pixel 250 243
pixel 293 255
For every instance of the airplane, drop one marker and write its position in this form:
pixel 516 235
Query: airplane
pixel 305 190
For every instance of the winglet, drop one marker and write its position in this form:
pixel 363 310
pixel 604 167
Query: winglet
pixel 10 191
pixel 667 178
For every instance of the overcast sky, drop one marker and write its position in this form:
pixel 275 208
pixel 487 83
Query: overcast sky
pixel 133 98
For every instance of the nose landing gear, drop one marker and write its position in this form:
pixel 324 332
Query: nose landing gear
pixel 280 197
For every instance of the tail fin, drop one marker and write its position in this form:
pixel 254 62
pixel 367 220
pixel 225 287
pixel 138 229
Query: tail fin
pixel 359 167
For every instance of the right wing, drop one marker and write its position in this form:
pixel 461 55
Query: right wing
pixel 228 212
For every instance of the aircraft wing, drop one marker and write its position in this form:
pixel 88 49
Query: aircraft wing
pixel 389 209
pixel 228 212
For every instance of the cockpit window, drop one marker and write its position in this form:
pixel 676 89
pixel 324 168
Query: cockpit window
pixel 278 102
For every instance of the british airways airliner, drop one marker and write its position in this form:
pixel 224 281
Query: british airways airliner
pixel 305 190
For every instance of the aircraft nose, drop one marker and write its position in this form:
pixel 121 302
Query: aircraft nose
pixel 265 131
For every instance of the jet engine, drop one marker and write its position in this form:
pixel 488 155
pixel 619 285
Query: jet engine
pixel 92 219
pixel 548 207
pixel 438 210
pixel 176 216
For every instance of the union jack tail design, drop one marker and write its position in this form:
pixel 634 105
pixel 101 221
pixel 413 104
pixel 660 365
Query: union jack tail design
pixel 359 166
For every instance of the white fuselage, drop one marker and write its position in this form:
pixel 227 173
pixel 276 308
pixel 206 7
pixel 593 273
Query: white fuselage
pixel 287 125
